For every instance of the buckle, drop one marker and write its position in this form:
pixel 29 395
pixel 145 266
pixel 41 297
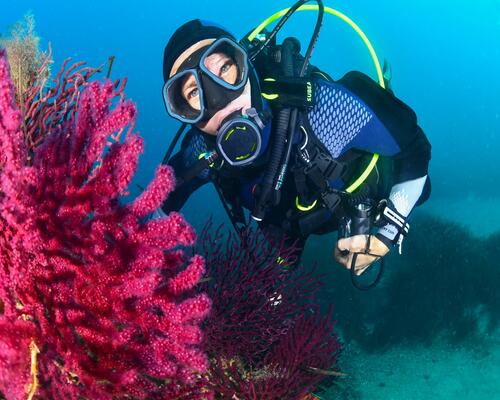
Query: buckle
pixel 331 199
pixel 329 168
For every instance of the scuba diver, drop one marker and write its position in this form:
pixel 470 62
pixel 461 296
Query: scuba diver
pixel 303 153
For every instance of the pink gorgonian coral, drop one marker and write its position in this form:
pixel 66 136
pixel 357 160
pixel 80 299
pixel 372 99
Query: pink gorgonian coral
pixel 95 300
pixel 265 337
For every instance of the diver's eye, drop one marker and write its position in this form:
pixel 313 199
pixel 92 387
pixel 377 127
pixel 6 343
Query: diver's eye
pixel 229 72
pixel 192 94
pixel 226 68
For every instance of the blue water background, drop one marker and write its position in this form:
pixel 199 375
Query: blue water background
pixel 445 58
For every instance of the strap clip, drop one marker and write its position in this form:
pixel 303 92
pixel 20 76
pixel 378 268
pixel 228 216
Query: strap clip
pixel 323 168
pixel 331 199
pixel 289 91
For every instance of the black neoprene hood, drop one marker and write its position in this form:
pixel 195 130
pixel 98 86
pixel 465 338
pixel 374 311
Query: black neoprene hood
pixel 187 35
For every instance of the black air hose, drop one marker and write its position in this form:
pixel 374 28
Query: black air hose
pixel 269 190
pixel 266 194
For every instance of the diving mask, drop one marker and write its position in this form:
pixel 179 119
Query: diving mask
pixel 207 81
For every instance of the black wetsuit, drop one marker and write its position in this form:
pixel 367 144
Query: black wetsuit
pixel 354 113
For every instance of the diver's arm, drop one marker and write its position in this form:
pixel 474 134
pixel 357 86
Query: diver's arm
pixel 403 198
pixel 356 113
pixel 392 131
pixel 411 181
pixel 192 146
pixel 183 190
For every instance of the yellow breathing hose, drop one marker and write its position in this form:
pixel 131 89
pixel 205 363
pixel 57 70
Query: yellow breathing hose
pixel 365 39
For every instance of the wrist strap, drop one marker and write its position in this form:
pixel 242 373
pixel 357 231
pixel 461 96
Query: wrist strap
pixel 388 213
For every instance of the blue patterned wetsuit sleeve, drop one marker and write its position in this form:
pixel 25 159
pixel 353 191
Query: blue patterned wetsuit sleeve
pixel 377 123
pixel 192 146
pixel 342 121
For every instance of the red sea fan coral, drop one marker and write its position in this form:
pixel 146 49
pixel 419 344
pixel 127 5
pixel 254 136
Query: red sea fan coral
pixel 47 108
pixel 265 336
pixel 102 294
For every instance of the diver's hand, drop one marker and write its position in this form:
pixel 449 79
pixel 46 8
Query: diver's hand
pixel 346 248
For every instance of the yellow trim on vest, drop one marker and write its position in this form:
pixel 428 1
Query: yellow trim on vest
pixel 358 182
pixel 304 208
pixel 270 96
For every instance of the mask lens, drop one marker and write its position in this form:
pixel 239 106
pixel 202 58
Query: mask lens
pixel 226 63
pixel 183 96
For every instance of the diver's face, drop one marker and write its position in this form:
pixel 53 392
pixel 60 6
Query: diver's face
pixel 223 66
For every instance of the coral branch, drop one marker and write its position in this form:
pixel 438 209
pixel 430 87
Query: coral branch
pixel 106 297
pixel 265 331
